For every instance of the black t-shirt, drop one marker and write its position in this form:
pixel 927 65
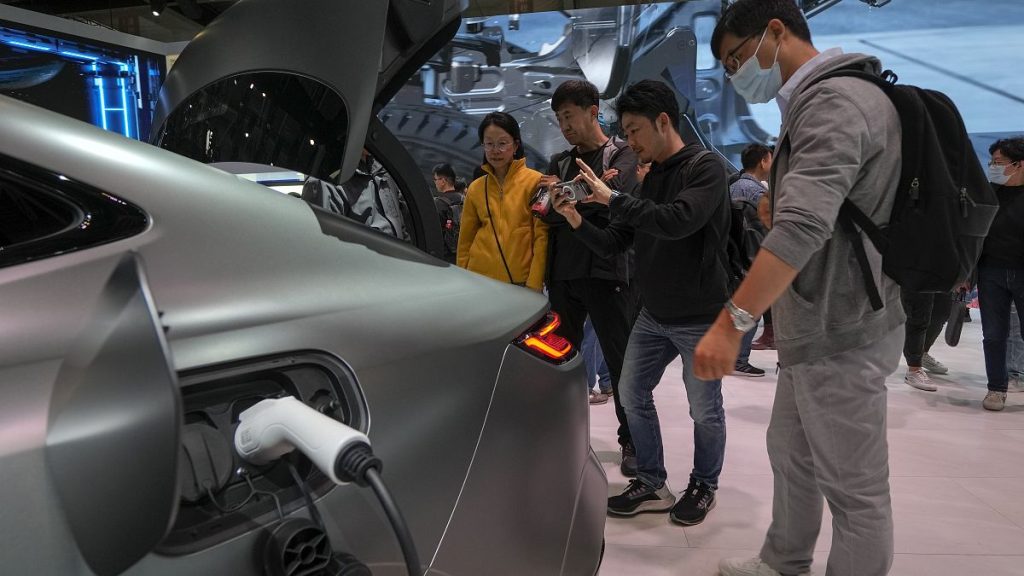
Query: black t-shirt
pixel 572 260
pixel 1004 246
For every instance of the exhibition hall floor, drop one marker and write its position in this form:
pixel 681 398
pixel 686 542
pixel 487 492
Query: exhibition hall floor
pixel 957 476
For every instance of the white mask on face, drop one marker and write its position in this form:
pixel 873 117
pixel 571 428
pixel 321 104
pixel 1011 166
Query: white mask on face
pixel 997 175
pixel 755 84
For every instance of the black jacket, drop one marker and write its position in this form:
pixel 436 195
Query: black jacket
pixel 618 267
pixel 679 229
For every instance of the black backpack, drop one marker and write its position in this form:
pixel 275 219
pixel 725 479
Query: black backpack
pixel 944 203
pixel 739 251
pixel 745 233
pixel 451 221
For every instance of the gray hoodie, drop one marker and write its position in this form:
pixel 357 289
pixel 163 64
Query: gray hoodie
pixel 840 139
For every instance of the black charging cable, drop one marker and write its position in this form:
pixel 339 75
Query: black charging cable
pixel 358 464
pixel 313 512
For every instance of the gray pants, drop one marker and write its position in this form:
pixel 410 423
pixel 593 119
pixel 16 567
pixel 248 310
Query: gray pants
pixel 1014 347
pixel 827 443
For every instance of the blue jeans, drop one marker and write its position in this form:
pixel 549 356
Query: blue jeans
pixel 652 347
pixel 997 288
pixel 593 360
pixel 745 344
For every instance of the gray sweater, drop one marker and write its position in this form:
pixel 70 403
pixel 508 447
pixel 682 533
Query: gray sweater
pixel 840 139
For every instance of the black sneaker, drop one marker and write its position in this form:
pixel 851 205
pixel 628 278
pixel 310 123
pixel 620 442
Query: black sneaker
pixel 747 370
pixel 628 466
pixel 639 497
pixel 694 504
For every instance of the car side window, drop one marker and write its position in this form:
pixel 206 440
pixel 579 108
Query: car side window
pixel 27 214
pixel 45 214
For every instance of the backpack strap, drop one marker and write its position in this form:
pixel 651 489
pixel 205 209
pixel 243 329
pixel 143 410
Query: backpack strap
pixel 709 228
pixel 854 220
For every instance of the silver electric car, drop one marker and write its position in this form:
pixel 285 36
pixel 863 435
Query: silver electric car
pixel 148 300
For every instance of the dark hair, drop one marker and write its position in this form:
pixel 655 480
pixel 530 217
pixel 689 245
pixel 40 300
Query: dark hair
pixel 649 98
pixel 445 170
pixel 1012 148
pixel 748 17
pixel 752 155
pixel 578 92
pixel 507 123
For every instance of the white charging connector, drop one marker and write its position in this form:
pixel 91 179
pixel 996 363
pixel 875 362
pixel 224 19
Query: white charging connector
pixel 276 426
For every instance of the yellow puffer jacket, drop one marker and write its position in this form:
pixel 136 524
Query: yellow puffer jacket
pixel 524 239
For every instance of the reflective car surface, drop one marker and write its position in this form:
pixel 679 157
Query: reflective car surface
pixel 147 300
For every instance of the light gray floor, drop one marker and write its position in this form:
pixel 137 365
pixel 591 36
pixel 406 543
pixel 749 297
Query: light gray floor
pixel 957 477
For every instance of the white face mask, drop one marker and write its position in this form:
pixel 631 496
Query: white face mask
pixel 997 175
pixel 755 84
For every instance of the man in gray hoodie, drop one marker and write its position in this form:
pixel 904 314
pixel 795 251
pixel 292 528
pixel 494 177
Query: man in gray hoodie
pixel 827 435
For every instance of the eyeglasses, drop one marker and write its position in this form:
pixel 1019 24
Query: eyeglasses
pixel 732 62
pixel 497 146
pixel 1002 164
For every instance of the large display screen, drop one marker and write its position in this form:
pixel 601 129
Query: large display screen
pixel 112 87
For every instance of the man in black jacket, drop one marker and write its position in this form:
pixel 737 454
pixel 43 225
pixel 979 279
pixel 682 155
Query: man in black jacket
pixel 678 224
pixel 579 281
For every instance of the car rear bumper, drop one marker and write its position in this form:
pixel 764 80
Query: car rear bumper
pixel 535 497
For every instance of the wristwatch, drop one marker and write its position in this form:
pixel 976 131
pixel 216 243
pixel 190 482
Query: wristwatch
pixel 742 321
pixel 615 194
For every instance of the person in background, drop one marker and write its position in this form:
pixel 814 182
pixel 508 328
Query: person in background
pixel 678 224
pixel 827 436
pixel 580 282
pixel 499 236
pixel 449 202
pixel 446 181
pixel 599 379
pixel 753 180
pixel 746 192
pixel 1001 267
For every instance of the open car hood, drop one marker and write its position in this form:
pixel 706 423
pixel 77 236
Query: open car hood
pixel 295 83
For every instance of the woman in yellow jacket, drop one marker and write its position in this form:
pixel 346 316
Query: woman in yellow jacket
pixel 498 236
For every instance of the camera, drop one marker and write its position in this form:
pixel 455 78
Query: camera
pixel 573 190
pixel 540 202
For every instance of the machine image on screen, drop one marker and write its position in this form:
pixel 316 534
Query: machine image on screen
pixel 114 88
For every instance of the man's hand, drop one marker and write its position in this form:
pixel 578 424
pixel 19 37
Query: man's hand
pixel 609 174
pixel 566 207
pixel 641 170
pixel 717 351
pixel 599 191
pixel 548 181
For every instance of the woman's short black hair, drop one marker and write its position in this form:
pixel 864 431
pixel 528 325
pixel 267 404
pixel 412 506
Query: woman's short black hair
pixel 649 98
pixel 507 123
pixel 445 170
pixel 1012 148
pixel 578 92
pixel 749 17
pixel 752 155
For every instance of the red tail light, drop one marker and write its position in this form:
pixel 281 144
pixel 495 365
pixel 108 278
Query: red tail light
pixel 541 340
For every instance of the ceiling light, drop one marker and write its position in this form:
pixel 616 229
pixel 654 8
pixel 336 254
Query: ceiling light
pixel 157 6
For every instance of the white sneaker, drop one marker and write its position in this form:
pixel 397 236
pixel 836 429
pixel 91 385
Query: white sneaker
pixel 932 365
pixel 748 567
pixel 919 379
pixel 1015 385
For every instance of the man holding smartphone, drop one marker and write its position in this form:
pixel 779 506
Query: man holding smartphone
pixel 579 281
pixel 679 224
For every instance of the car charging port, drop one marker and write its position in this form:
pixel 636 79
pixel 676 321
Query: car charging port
pixel 273 428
